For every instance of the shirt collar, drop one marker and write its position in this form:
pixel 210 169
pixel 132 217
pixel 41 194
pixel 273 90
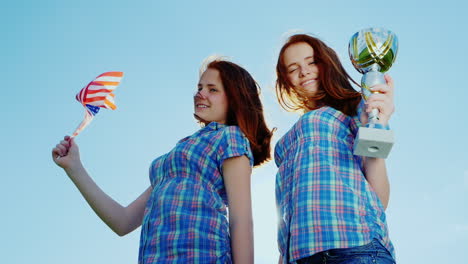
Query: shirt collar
pixel 213 126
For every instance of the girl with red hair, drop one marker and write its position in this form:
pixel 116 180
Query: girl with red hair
pixel 331 202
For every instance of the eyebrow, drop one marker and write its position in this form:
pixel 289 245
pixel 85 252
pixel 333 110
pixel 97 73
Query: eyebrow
pixel 295 63
pixel 209 85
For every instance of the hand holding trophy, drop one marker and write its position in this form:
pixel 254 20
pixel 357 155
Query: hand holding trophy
pixel 372 52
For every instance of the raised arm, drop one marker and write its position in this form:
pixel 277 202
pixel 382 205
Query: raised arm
pixel 236 173
pixel 375 168
pixel 122 220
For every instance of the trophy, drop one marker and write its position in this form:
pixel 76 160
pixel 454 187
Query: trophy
pixel 372 52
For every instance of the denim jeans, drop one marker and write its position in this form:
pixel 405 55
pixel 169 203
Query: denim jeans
pixel 372 253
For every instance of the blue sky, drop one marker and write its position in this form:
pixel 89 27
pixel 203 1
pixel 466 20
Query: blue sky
pixel 51 49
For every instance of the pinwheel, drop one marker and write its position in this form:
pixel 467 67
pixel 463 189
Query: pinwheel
pixel 96 95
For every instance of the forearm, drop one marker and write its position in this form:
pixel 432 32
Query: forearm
pixel 110 211
pixel 242 240
pixel 376 175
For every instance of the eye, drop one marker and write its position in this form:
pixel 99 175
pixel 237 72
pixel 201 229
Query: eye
pixel 213 90
pixel 312 62
pixel 292 70
pixel 199 88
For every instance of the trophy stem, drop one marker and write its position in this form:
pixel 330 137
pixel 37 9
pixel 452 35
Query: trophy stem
pixel 373 117
pixel 368 80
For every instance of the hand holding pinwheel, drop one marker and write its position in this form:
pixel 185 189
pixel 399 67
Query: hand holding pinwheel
pixel 97 94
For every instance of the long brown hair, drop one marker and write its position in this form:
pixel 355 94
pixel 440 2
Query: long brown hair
pixel 335 88
pixel 245 109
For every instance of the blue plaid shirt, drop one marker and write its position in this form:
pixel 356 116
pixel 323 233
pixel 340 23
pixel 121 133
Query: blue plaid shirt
pixel 323 198
pixel 185 219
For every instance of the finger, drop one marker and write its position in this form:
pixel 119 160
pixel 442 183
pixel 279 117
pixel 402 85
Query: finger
pixel 379 97
pixel 364 118
pixel 381 88
pixel 389 80
pixel 56 153
pixel 57 150
pixel 62 150
pixel 73 144
pixel 383 107
pixel 65 143
pixel 71 141
pixel 375 104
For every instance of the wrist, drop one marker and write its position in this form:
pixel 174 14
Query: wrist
pixel 74 169
pixel 383 120
pixel 382 123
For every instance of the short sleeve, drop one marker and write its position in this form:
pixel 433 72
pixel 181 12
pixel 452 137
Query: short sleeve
pixel 233 143
pixel 156 170
pixel 279 153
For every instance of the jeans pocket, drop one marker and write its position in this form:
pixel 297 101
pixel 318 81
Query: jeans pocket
pixel 382 254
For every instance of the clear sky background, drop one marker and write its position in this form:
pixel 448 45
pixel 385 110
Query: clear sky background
pixel 50 49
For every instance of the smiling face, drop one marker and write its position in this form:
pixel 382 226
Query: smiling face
pixel 301 67
pixel 210 101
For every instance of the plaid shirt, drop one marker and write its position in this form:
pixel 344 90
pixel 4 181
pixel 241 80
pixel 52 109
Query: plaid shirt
pixel 185 219
pixel 323 198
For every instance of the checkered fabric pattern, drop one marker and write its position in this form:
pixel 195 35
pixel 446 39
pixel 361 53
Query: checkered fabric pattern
pixel 185 219
pixel 324 201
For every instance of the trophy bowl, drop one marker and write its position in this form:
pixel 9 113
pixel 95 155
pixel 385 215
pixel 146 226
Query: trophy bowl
pixel 373 49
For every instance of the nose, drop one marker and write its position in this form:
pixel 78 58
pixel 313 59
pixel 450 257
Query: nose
pixel 200 94
pixel 305 71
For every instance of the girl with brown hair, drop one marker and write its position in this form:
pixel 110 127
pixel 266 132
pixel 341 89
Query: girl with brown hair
pixel 183 213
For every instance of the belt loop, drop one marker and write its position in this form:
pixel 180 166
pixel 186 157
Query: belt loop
pixel 375 244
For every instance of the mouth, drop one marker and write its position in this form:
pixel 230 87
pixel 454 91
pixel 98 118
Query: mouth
pixel 307 82
pixel 201 106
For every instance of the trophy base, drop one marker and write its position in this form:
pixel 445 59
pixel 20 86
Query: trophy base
pixel 372 142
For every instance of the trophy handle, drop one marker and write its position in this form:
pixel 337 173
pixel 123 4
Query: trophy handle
pixel 368 80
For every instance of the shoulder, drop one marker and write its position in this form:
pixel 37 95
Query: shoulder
pixel 233 143
pixel 231 130
pixel 233 133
